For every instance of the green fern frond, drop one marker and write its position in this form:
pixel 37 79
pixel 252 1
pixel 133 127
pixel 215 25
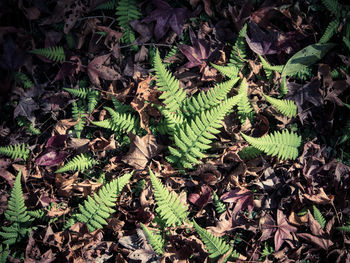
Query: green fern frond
pixel 333 6
pixel 249 152
pixel 286 107
pixel 228 71
pixel 82 93
pixel 207 99
pixel 169 207
pixel 238 53
pixel 78 163
pixel 109 5
pixel 16 151
pixel 123 121
pixel 172 52
pixel 93 100
pixel 53 53
pixel 216 246
pixel 173 95
pixel 219 206
pixel 17 214
pixel 37 214
pixel 121 107
pixel 331 30
pixel 304 73
pixel 24 122
pixel 172 121
pixel 97 209
pixel 245 109
pixel 192 138
pixel 346 42
pixel 4 253
pixel 344 228
pixel 283 87
pixel 284 145
pixel 79 114
pixel 23 79
pixel 126 12
pixel 86 93
pixel 319 217
pixel 269 69
pixel 155 240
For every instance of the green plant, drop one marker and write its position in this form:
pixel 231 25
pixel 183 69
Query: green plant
pixel 53 53
pixel 97 209
pixel 109 5
pixel 86 93
pixel 249 152
pixel 269 69
pixel 24 122
pixel 245 109
pixel 239 53
pixel 126 12
pixel 319 217
pixel 169 207
pixel 155 240
pixel 268 250
pixel 219 206
pixel 78 163
pixel 16 151
pixel 17 214
pixel 79 114
pixel 333 6
pixel 331 30
pixel 4 252
pixel 286 107
pixel 23 79
pixel 228 71
pixel 284 145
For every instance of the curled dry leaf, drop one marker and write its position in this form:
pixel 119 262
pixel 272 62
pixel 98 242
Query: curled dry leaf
pixel 97 69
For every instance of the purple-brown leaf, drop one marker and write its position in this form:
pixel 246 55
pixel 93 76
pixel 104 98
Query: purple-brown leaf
pixel 243 199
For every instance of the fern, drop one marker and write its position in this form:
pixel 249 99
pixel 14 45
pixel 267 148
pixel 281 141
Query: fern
pixel 331 30
pixel 193 137
pixel 333 6
pixel 126 12
pixel 109 5
pixel 78 112
pixel 16 151
pixel 344 228
pixel 82 93
pixel 17 214
pixel 173 95
pixel 216 246
pixel 219 206
pixel 37 214
pixel 268 68
pixel 93 100
pixel 283 87
pixel 23 79
pixel 249 152
pixel 4 253
pixel 228 71
pixel 319 217
pixel 121 107
pixel 169 207
pixel 238 53
pixel 53 53
pixel 24 122
pixel 172 53
pixel 245 109
pixel 78 163
pixel 86 93
pixel 286 107
pixel 284 145
pixel 172 122
pixel 123 121
pixel 207 100
pixel 155 240
pixel 97 209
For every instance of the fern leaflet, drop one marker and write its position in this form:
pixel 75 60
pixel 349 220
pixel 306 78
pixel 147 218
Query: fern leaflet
pixel 4 253
pixel 344 228
pixel 219 206
pixel 173 95
pixel 269 68
pixel 249 152
pixel 123 121
pixel 228 71
pixel 284 145
pixel 16 151
pixel 53 53
pixel 78 163
pixel 330 31
pixel 283 87
pixel 109 5
pixel 78 112
pixel 245 109
pixel 23 79
pixel 98 208
pixel 333 6
pixel 24 122
pixel 169 207
pixel 286 107
pixel 126 12
pixel 155 240
pixel 17 214
pixel 319 217
pixel 238 53
pixel 215 245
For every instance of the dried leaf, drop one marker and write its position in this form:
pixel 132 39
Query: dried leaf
pixel 97 70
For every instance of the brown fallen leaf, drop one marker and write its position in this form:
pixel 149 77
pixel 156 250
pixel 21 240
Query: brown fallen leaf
pixel 97 69
pixel 142 150
pixel 321 198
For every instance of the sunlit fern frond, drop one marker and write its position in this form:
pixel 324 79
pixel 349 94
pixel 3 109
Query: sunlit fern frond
pixel 319 217
pixel 245 109
pixel 269 69
pixel 154 239
pixel 238 53
pixel 78 163
pixel 249 152
pixel 79 114
pixel 55 53
pixel 228 71
pixel 126 12
pixel 16 151
pixel 219 206
pixel 286 107
pixel 123 121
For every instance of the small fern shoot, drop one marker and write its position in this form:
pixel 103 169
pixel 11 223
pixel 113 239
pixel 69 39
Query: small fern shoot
pixel 126 12
pixel 216 246
pixel 319 217
pixel 238 53
pixel 155 240
pixel 17 214
pixel 86 93
pixel 344 228
pixel 78 163
pixel 97 209
pixel 169 207
pixel 286 107
pixel 24 122
pixel 16 151
pixel 53 53
pixel 173 95
pixel 269 69
pixel 219 206
pixel 245 109
pixel 109 5
pixel 23 79
pixel 4 253
pixel 79 114
pixel 284 145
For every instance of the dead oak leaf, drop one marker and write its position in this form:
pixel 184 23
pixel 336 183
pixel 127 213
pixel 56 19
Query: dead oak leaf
pixel 97 69
pixel 142 150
